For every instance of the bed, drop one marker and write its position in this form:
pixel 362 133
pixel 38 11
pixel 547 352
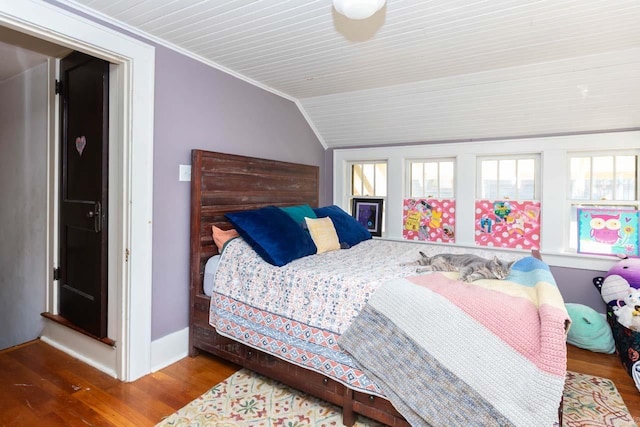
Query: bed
pixel 222 184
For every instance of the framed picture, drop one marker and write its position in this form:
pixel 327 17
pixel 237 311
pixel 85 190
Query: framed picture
pixel 608 231
pixel 368 212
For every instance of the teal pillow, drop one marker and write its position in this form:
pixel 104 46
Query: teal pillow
pixel 589 329
pixel 297 213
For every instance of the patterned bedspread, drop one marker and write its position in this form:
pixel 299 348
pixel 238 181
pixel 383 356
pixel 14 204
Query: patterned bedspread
pixel 491 353
pixel 297 312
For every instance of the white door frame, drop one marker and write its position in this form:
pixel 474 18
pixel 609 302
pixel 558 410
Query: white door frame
pixel 135 62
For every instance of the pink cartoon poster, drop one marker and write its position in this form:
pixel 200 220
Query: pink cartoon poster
pixel 430 220
pixel 508 224
pixel 608 231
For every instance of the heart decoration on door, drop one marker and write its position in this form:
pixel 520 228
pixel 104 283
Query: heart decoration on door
pixel 81 142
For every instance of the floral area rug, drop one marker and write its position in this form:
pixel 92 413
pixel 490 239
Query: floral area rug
pixel 593 401
pixel 248 399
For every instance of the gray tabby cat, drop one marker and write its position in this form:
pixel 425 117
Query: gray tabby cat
pixel 470 267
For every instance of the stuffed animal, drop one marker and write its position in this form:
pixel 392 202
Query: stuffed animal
pixel 616 283
pixel 627 313
pixel 589 329
pixel 627 268
pixel 635 324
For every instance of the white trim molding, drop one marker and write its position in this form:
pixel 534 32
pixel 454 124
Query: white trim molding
pixel 92 352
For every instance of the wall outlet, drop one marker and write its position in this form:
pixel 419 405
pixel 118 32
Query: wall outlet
pixel 185 173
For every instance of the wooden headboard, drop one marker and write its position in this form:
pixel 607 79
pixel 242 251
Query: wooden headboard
pixel 222 183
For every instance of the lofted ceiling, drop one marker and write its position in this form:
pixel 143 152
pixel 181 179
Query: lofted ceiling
pixel 418 70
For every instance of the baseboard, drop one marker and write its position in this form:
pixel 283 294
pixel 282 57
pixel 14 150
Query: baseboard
pixel 169 349
pixel 164 351
pixel 88 350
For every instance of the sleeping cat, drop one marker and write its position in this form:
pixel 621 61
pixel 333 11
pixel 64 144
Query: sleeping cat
pixel 470 267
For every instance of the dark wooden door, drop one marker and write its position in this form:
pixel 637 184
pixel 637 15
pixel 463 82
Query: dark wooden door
pixel 84 97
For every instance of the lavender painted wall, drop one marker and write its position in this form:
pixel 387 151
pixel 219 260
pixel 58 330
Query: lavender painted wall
pixel 197 106
pixel 576 285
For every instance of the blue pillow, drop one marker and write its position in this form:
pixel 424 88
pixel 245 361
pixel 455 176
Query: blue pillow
pixel 273 234
pixel 350 231
pixel 297 213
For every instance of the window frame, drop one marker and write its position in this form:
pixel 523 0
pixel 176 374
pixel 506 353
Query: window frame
pixel 409 176
pixel 613 153
pixel 367 162
pixel 523 156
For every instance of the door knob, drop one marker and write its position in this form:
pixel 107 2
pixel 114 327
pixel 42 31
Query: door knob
pixel 96 214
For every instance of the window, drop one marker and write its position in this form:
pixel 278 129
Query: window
pixel 603 177
pixel 507 207
pixel 604 180
pixel 369 179
pixel 508 178
pixel 432 178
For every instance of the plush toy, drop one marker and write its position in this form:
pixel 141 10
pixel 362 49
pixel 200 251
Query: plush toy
pixel 635 325
pixel 627 313
pixel 627 268
pixel 619 289
pixel 589 329
pixel 616 283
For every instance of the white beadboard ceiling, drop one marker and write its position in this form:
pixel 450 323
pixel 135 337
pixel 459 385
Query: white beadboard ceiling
pixel 418 70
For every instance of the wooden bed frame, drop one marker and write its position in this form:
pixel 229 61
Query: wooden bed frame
pixel 223 183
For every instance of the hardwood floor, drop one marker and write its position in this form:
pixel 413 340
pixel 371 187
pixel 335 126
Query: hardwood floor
pixel 607 366
pixel 40 385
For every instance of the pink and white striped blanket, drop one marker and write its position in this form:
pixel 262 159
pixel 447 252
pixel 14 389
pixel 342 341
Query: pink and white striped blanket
pixel 490 353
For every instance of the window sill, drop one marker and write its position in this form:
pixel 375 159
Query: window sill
pixel 554 259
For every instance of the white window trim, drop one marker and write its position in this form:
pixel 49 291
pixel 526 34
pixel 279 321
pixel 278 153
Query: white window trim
pixel 554 152
pixel 597 154
pixel 525 156
pixel 430 159
pixel 349 178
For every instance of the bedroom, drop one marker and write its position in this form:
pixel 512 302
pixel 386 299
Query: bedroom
pixel 221 127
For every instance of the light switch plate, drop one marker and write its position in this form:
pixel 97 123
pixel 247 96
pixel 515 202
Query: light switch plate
pixel 185 173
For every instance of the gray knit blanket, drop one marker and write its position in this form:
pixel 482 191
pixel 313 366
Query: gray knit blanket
pixel 449 353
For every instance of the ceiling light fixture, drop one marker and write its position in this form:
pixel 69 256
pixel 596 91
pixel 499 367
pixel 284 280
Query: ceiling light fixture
pixel 358 9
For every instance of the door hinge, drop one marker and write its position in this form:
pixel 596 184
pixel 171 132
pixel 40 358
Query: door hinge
pixel 56 273
pixel 58 88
